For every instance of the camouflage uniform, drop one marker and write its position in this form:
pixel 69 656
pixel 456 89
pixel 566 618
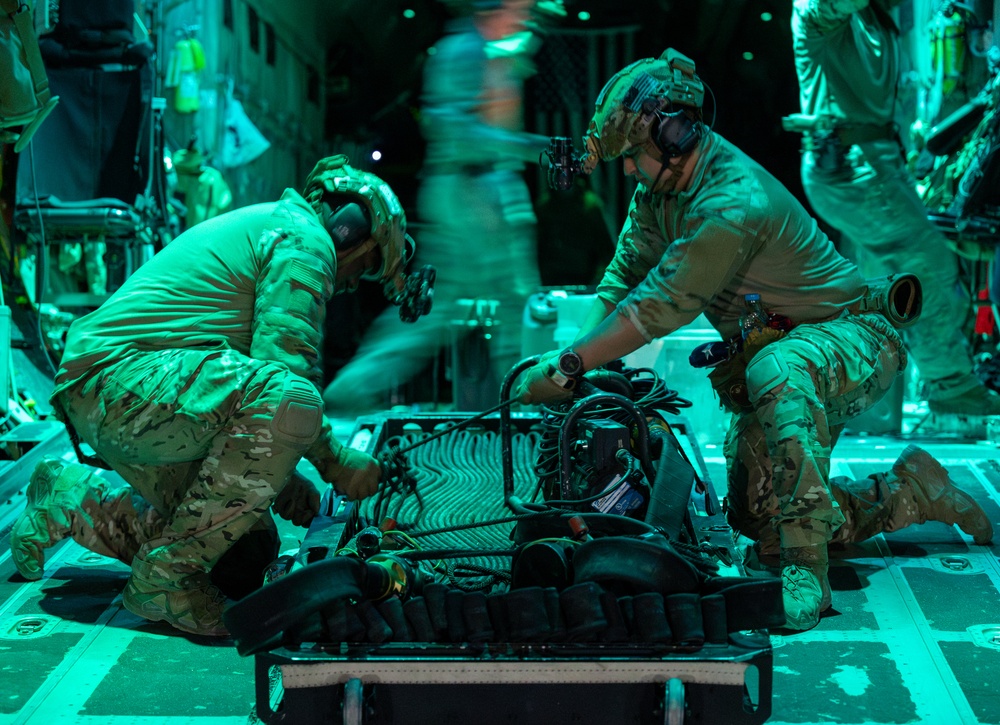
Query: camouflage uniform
pixel 847 60
pixel 836 370
pixel 197 382
pixel 700 238
pixel 737 230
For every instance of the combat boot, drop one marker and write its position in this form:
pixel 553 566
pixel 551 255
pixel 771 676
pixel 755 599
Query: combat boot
pixel 937 498
pixel 55 494
pixel 977 401
pixel 805 585
pixel 191 604
pixel 758 564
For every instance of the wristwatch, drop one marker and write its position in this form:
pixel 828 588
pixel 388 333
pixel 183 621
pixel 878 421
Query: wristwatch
pixel 567 370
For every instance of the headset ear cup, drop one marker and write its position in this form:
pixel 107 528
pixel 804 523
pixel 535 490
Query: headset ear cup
pixel 676 134
pixel 348 224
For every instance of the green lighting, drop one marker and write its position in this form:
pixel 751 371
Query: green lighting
pixel 583 15
pixel 748 56
pixel 409 14
pixel 766 17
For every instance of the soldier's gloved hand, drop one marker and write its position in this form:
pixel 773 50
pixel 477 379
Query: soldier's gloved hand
pixel 355 474
pixel 298 501
pixel 537 385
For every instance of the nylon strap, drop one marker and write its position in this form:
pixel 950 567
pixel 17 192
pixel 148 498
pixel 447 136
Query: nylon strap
pixel 20 13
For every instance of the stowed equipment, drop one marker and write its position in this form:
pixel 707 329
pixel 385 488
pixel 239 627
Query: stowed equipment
pixel 606 554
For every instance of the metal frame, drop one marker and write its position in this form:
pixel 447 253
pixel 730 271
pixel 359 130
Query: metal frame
pixel 536 685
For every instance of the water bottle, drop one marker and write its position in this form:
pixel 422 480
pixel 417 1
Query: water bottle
pixel 753 321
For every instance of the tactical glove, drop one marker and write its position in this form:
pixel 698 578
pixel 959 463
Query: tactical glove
pixel 537 386
pixel 298 501
pixel 354 473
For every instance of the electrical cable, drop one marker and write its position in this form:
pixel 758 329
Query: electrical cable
pixel 466 460
pixel 650 393
pixel 459 425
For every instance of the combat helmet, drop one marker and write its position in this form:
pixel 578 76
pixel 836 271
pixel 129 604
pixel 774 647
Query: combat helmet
pixel 662 94
pixel 335 175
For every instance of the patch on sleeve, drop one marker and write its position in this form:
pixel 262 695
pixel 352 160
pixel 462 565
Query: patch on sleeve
pixel 301 273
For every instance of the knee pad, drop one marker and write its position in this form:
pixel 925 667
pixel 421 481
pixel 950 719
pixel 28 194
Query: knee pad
pixel 299 417
pixel 766 372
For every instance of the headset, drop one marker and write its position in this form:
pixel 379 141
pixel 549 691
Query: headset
pixel 674 133
pixel 349 223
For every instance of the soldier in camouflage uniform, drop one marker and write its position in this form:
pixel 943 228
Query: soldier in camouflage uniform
pixel 197 383
pixel 847 58
pixel 706 226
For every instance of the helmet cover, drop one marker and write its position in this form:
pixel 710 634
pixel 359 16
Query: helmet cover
pixel 627 106
pixel 335 175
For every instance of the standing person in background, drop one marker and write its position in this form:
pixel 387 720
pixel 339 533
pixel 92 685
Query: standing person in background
pixel 847 59
pixel 200 188
pixel 478 224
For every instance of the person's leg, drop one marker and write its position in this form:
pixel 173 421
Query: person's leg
pixel 915 490
pixel 479 234
pixel 789 384
pixel 70 500
pixel 751 506
pixel 393 352
pixel 874 203
pixel 508 271
pixel 244 424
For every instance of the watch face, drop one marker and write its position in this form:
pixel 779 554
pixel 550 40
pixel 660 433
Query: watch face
pixel 570 363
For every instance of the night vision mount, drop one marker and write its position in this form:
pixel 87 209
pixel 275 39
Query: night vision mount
pixel 417 295
pixel 563 162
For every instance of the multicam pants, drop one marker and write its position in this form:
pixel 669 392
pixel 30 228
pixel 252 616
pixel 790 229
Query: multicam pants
pixel 206 438
pixel 815 379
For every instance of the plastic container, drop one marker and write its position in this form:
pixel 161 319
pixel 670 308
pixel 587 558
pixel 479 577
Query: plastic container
pixel 668 356
pixel 754 318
